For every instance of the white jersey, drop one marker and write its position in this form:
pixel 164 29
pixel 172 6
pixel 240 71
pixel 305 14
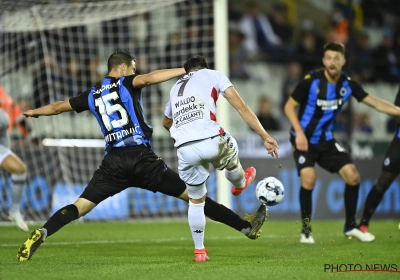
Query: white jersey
pixel 192 105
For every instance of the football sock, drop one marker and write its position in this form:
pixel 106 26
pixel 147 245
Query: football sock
pixel 236 176
pixel 197 223
pixel 350 203
pixel 306 209
pixel 61 218
pixel 222 214
pixel 17 190
pixel 371 203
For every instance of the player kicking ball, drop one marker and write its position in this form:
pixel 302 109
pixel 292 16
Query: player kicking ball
pixel 190 116
pixel 129 159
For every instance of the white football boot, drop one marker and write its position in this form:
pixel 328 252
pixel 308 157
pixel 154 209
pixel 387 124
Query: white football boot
pixel 306 240
pixel 360 235
pixel 19 221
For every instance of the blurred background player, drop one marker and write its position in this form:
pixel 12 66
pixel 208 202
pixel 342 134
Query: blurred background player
pixel 390 170
pixel 190 116
pixel 11 116
pixel 320 97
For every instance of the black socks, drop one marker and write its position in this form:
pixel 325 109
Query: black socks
pixel 61 218
pixel 306 209
pixel 371 203
pixel 220 213
pixel 350 203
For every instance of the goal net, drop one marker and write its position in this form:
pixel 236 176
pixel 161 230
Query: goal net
pixel 51 52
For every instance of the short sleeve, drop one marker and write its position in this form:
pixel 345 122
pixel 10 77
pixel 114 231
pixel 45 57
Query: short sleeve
pixel 128 81
pixel 357 91
pixel 397 100
pixel 300 93
pixel 223 82
pixel 168 110
pixel 80 102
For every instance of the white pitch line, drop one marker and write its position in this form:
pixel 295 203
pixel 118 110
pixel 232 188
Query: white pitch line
pixel 140 240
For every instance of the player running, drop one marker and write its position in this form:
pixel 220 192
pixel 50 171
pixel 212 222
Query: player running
pixel 190 115
pixel 129 159
pixel 320 96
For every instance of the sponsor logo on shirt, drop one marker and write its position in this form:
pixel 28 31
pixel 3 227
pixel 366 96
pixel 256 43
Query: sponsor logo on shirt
pixel 329 104
pixel 187 118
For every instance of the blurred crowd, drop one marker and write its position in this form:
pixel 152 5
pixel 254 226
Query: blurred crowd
pixel 68 60
pixel 276 37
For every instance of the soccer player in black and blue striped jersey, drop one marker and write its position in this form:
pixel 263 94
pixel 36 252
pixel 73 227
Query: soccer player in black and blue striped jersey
pixel 319 98
pixel 129 159
pixel 390 170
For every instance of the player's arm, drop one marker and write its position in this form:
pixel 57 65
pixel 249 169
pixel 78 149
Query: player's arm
pixel 77 103
pixel 299 94
pixel 167 122
pixel 157 76
pixel 251 119
pixel 54 108
pixel 291 114
pixel 382 105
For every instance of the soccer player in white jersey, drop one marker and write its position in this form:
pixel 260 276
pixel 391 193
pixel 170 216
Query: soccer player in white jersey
pixel 190 116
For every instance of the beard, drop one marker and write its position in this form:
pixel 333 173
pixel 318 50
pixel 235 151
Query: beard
pixel 333 72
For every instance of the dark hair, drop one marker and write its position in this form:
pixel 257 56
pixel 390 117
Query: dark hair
pixel 196 62
pixel 336 47
pixel 118 58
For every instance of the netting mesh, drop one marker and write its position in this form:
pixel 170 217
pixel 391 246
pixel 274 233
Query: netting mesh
pixel 51 52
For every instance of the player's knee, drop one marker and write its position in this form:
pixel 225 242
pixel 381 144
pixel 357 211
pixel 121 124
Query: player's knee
pixel 308 184
pixel 197 201
pixel 353 178
pixel 197 193
pixel 308 180
pixel 21 168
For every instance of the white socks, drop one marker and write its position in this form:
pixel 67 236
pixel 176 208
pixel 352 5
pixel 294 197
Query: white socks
pixel 197 223
pixel 236 176
pixel 17 190
pixel 44 232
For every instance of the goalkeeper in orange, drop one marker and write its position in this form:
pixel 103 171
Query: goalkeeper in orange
pixel 11 116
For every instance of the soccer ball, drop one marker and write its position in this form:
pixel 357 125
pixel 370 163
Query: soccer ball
pixel 270 191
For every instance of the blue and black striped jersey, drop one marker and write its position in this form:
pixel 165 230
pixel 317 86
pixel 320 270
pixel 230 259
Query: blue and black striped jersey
pixel 117 107
pixel 320 102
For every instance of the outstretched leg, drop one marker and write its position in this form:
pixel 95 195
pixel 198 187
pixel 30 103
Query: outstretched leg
pixel 62 217
pixel 172 185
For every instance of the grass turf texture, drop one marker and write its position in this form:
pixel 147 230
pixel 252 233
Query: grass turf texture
pixel 164 250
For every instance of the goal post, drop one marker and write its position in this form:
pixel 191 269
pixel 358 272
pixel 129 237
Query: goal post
pixel 59 50
pixel 222 64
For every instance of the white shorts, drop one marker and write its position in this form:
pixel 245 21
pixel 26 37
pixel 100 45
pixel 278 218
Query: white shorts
pixel 194 157
pixel 4 152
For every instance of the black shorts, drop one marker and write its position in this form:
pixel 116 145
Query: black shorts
pixel 329 155
pixel 137 167
pixel 391 163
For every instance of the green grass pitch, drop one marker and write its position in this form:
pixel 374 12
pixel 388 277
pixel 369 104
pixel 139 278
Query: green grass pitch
pixel 164 250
